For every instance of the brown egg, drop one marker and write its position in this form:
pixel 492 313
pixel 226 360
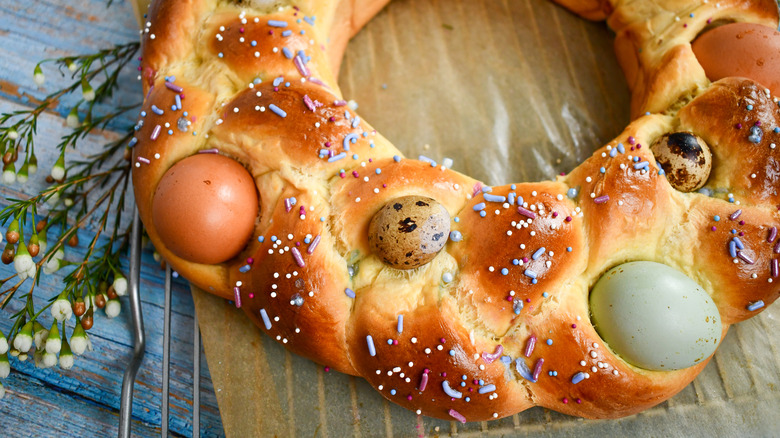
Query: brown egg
pixel 685 159
pixel 741 49
pixel 409 231
pixel 205 208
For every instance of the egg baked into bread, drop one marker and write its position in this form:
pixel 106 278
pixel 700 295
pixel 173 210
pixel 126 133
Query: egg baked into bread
pixel 598 294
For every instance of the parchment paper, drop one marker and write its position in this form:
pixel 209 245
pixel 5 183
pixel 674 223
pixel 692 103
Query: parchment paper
pixel 511 91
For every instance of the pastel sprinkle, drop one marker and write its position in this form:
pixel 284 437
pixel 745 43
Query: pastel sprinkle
pixel 601 199
pixel 772 235
pixel 480 206
pixel 494 198
pixel 423 382
pixel 525 212
pixel 454 414
pixel 277 23
pixel 538 253
pixel 538 369
pixel 400 327
pixel 313 244
pixel 156 132
pixel 755 305
pixel 445 385
pixel 524 371
pixel 237 297
pixel 266 320
pixel 487 389
pixel 577 378
pixel 278 111
pixel 490 357
pixel 371 348
pixel 300 64
pixel 350 293
pixel 735 215
pixel 529 345
pixel 297 256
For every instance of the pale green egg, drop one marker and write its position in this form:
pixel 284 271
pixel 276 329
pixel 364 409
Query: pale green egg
pixel 655 317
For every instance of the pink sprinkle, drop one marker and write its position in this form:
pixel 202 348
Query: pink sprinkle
pixel 423 382
pixel 527 213
pixel 327 144
pixel 775 268
pixel 156 132
pixel 631 140
pixel 477 188
pixel 209 151
pixel 538 369
pixel 297 256
pixel 426 371
pixel 601 199
pixel 568 218
pixel 251 295
pixel 574 326
pixel 772 235
pixel 525 259
pixel 579 400
pixel 308 102
pixel 565 400
pixel 339 103
pixel 509 298
pixel 777 247
pixel 287 205
pixel 758 123
pixel 313 244
pixel 384 186
pixel 443 340
pixel 491 357
pixel 355 174
pixel 454 414
pixel 250 260
pixel 444 374
pixel 739 126
pixel 684 25
pixel 395 341
pixel 555 214
pixel 299 64
pixel 143 160
pixel 342 174
pixel 409 397
pixel 276 88
pixel 332 119
pixel 241 29
pixel 327 369
pixel 302 210
pixel 709 20
pixel 714 228
pixel 529 345
pixel 237 297
pixel 174 87
pixel 297 243
pixel 527 300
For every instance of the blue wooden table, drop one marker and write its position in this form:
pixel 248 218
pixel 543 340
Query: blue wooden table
pixel 84 401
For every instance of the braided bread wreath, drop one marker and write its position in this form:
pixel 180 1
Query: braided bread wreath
pixel 257 183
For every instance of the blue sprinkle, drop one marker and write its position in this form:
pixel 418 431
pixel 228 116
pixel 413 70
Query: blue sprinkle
pixel 427 160
pixel 266 320
pixel 739 243
pixel 278 81
pixel 143 113
pixel 133 142
pixel 549 342
pixel 277 23
pixel 524 371
pixel 177 98
pixel 273 238
pixel 493 198
pixel 310 20
pixel 303 56
pixel 244 269
pixel 487 389
pixel 487 189
pixel 517 306
pixel 603 170
pixel 577 378
pixel 538 253
pixel 755 305
pixel 613 153
pixel 482 213
pixel 621 148
pixel 545 294
pixel 513 187
pixel 157 111
pixel 691 15
pixel 480 206
pixel 220 55
pixel 530 274
pixel 733 231
pixel 716 218
pixel 569 249
pixel 777 130
pixel 467 399
pixel 170 132
pixel 456 219
pixel 756 134
pixel 732 248
pixel 378 171
pixel 322 219
pixel 515 262
pixel 389 342
pixel 371 348
pixel 504 271
pixel 392 392
pixel 287 33
pixel 446 277
pixel 400 324
pixel 173 107
pixel 449 391
pixel 354 156
pixel 356 122
pixel 750 107
pixel 286 84
pixel 463 384
pixel 520 200
pixel 350 293
pixel 287 53
pixel 506 360
pixel 456 236
pixel 396 158
pixel 337 157
pixel 661 171
pixel 642 165
pixel 511 198
pixel 307 240
pixel 480 381
pixel 261 239
pixel 278 111
pixel 534 281
pixel 349 138
pixel 253 43
pixel 572 193
pixel 636 159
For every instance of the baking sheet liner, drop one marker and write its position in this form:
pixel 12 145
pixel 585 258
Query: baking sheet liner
pixel 512 91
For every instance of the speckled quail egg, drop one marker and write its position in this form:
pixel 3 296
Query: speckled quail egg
pixel 685 159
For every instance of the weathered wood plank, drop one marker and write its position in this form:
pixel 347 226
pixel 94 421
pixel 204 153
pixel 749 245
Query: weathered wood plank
pixel 85 400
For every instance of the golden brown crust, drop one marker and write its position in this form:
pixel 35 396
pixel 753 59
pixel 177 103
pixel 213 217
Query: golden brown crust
pixel 498 321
